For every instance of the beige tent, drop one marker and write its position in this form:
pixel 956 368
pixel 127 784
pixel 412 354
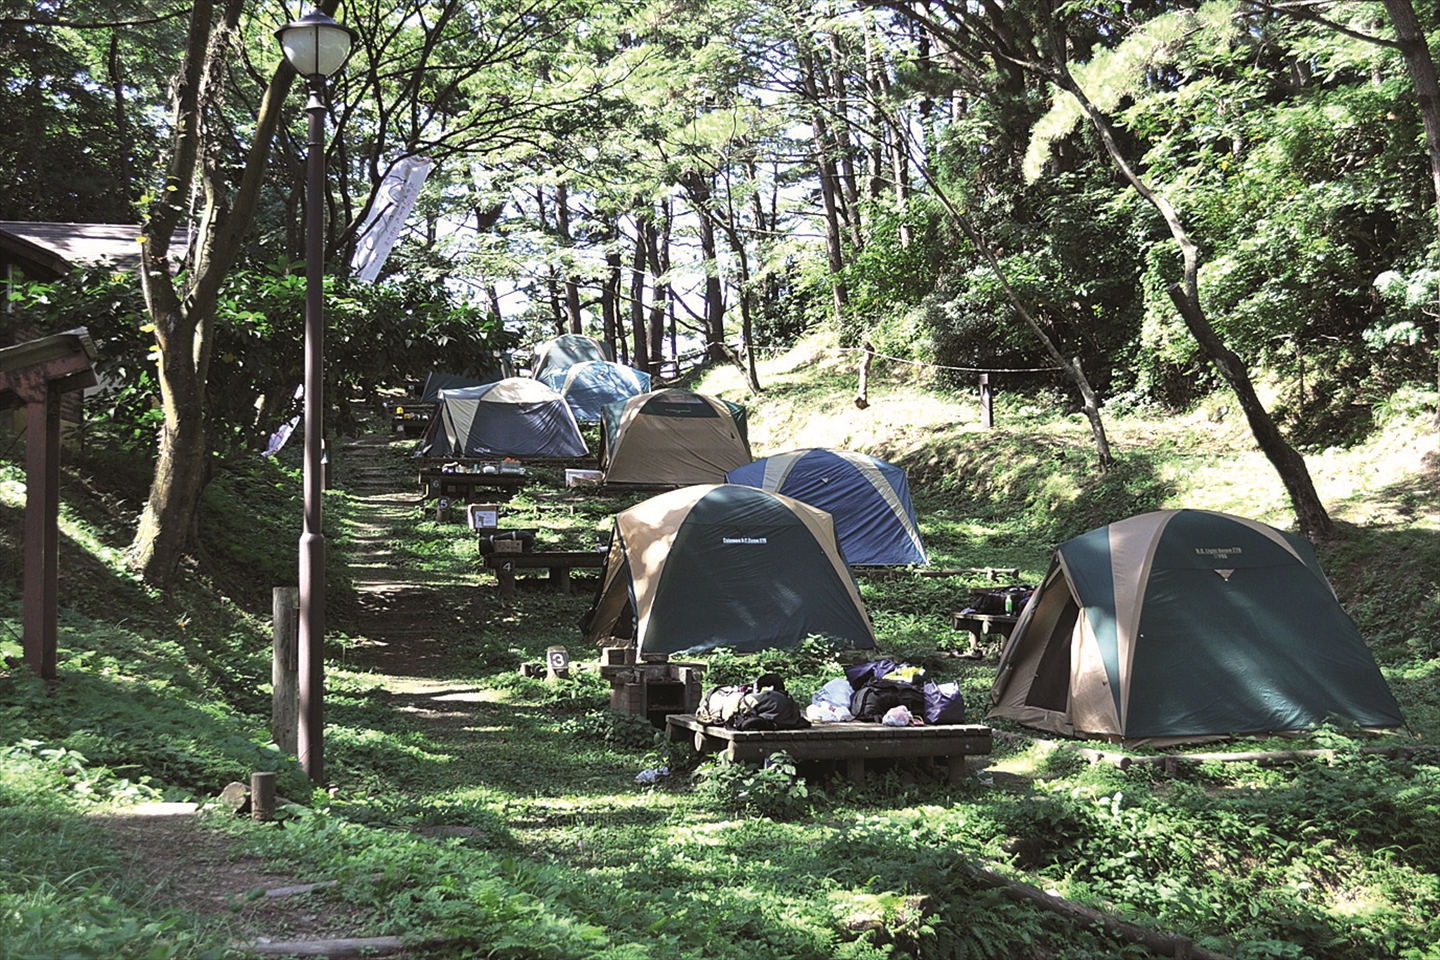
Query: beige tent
pixel 672 438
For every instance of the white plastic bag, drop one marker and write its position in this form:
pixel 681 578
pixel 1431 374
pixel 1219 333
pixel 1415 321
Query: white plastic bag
pixel 831 703
pixel 897 717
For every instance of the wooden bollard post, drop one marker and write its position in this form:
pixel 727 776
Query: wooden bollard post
pixel 557 663
pixel 262 796
pixel 862 399
pixel 987 419
pixel 285 668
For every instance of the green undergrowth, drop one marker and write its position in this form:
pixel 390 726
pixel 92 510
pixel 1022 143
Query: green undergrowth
pixel 537 822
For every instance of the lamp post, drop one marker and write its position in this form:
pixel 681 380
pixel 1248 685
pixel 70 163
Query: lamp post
pixel 316 46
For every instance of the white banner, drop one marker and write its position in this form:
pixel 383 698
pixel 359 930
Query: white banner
pixel 393 201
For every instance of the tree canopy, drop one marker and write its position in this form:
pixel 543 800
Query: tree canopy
pixel 713 177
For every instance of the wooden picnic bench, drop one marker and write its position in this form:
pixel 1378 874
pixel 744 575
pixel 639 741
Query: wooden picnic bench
pixel 852 741
pixel 558 562
pixel 462 485
pixel 981 625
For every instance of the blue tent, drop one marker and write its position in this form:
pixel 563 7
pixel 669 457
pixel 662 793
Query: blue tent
pixel 589 385
pixel 869 499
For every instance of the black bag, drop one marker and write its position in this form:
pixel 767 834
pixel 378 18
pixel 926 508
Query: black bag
pixel 872 701
pixel 768 709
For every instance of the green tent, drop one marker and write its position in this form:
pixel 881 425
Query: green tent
pixel 1187 625
pixel 725 565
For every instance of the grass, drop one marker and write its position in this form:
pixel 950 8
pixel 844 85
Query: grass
pixel 503 812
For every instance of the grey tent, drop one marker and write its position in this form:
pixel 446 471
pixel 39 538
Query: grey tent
pixel 1183 625
pixel 516 417
pixel 565 351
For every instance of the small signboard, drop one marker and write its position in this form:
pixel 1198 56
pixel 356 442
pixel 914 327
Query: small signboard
pixel 483 516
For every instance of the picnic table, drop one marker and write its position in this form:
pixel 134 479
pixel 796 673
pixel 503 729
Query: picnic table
pixel 462 484
pixel 981 625
pixel 411 419
pixel 852 741
pixel 558 562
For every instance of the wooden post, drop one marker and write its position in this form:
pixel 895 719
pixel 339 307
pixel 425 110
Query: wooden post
pixel 862 399
pixel 285 668
pixel 262 796
pixel 987 419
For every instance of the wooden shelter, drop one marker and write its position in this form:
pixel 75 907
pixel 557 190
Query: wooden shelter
pixel 35 374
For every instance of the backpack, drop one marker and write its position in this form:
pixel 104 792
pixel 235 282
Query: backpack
pixel 720 702
pixel 872 701
pixel 767 709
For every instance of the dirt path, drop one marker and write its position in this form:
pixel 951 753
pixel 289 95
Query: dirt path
pixel 405 617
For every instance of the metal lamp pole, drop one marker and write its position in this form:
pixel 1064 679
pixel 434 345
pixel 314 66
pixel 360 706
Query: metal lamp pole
pixel 316 46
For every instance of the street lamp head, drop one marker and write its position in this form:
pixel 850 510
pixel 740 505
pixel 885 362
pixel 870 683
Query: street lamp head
pixel 316 45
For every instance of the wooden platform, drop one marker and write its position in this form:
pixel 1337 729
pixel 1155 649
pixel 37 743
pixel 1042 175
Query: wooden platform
pixel 461 486
pixel 851 741
pixel 559 563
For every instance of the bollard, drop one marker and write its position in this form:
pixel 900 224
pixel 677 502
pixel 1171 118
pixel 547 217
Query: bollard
pixel 285 668
pixel 557 663
pixel 262 796
pixel 987 419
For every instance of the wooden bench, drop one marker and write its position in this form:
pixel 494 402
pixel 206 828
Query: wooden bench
pixel 414 420
pixel 461 486
pixel 559 563
pixel 980 626
pixel 851 741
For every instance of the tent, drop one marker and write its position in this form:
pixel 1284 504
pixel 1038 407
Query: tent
pixel 725 565
pixel 869 499
pixel 566 350
pixel 590 384
pixel 514 417
pixel 497 368
pixel 1186 625
pixel 672 438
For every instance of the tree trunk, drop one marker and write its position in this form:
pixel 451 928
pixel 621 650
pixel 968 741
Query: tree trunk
pixel 637 291
pixel 1314 522
pixel 1421 67
pixel 699 189
pixel 184 323
pixel 657 242
pixel 572 282
pixel 833 245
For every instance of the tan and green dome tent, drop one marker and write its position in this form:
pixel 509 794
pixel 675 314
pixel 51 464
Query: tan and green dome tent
pixel 672 438
pixel 725 565
pixel 1187 625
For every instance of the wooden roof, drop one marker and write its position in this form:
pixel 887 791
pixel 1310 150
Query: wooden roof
pixel 54 248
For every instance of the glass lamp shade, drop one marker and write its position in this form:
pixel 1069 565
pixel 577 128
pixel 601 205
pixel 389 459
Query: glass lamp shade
pixel 316 45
